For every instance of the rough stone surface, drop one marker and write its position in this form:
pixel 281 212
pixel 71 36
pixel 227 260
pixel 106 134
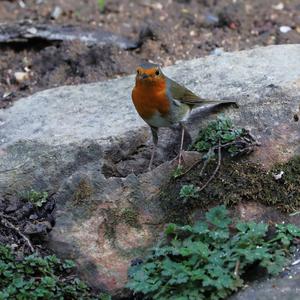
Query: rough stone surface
pixel 286 288
pixel 87 144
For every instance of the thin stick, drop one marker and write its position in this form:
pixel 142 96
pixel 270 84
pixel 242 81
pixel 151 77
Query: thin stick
pixel 205 163
pixel 13 169
pixel 181 145
pixel 236 269
pixel 212 149
pixel 215 171
pixel 8 224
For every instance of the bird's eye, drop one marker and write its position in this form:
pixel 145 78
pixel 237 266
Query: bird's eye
pixel 138 72
pixel 157 72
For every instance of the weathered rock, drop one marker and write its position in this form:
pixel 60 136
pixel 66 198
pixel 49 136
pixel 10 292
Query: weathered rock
pixel 24 211
pixel 14 204
pixel 274 289
pixel 38 229
pixel 87 144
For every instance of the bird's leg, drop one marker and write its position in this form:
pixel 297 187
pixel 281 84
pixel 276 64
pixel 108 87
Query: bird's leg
pixel 181 144
pixel 154 131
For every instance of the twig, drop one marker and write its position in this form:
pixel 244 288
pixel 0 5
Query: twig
pixel 247 145
pixel 296 262
pixel 236 269
pixel 190 168
pixel 215 171
pixel 196 163
pixel 294 213
pixel 212 149
pixel 205 163
pixel 7 217
pixel 14 168
pixel 10 225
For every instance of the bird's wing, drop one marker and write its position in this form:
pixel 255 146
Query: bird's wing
pixel 185 96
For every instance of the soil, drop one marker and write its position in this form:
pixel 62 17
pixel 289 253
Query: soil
pixel 21 218
pixel 168 31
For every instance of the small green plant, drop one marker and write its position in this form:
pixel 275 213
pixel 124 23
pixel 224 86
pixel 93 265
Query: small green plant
pixel 206 261
pixel 188 191
pixel 35 277
pixel 36 198
pixel 177 172
pixel 101 5
pixel 220 130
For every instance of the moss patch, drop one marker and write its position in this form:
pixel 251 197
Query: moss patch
pixel 114 217
pixel 83 191
pixel 129 216
pixel 236 181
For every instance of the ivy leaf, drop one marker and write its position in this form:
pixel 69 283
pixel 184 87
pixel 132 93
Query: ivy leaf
pixel 19 282
pixel 192 247
pixel 293 230
pixel 218 216
pixel 170 229
pixel 199 261
pixel 69 264
pixel 242 227
pixel 200 228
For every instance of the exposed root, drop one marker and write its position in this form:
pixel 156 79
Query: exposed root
pixel 215 171
pixel 5 222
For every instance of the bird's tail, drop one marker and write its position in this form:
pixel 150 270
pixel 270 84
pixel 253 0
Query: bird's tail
pixel 205 102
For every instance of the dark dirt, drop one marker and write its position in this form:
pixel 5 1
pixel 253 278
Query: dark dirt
pixel 168 31
pixel 18 217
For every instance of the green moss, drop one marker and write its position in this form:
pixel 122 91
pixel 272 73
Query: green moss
pixel 129 216
pixel 114 217
pixel 110 224
pixel 83 191
pixel 237 180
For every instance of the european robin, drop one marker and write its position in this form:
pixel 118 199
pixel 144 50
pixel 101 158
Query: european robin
pixel 162 102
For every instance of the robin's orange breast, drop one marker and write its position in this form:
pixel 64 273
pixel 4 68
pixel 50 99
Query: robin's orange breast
pixel 149 101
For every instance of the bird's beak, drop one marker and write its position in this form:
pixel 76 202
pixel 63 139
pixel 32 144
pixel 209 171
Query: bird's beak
pixel 144 76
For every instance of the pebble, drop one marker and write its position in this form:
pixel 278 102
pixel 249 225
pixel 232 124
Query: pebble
pixel 157 5
pixel 13 206
pixel 285 29
pixel 22 4
pixel 41 228
pixel 24 211
pixel 217 51
pixel 6 95
pixel 279 6
pixel 57 11
pixel 278 176
pixel 21 76
pixel 211 19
